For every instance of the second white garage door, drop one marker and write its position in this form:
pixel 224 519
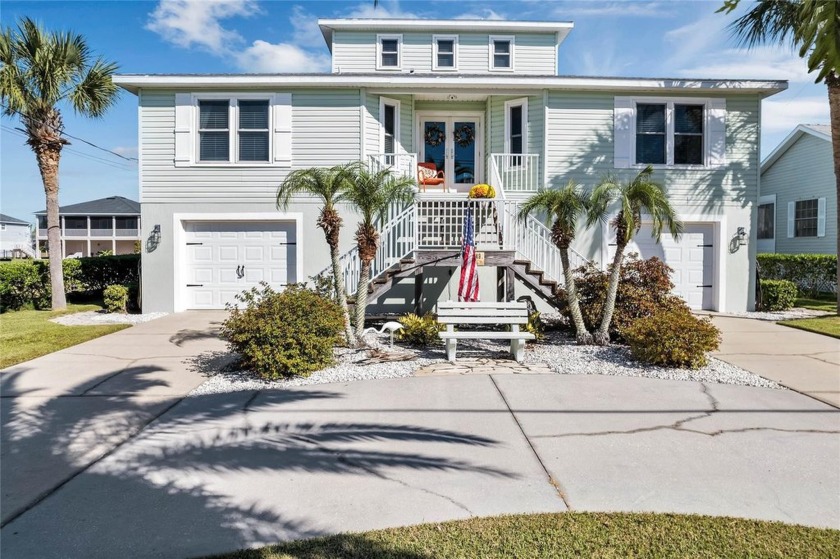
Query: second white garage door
pixel 224 258
pixel 692 259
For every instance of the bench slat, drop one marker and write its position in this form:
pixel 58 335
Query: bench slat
pixel 482 312
pixel 483 319
pixel 454 305
pixel 486 335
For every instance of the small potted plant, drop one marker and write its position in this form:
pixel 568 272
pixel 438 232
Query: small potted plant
pixel 482 191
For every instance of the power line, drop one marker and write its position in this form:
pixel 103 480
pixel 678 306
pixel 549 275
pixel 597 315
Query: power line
pixel 67 134
pixel 101 160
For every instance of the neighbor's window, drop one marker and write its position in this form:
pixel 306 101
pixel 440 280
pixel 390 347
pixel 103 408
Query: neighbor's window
pixel 445 53
pixel 670 134
pixel 766 221
pixel 253 130
pixel 75 223
pixel 127 223
pixel 389 52
pixel 2 226
pixel 501 53
pixel 42 222
pixel 805 222
pixel 213 130
pixel 101 223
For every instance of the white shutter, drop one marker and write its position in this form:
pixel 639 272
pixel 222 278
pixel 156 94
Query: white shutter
pixel 717 132
pixel 820 217
pixel 184 132
pixel 791 219
pixel 282 126
pixel 623 132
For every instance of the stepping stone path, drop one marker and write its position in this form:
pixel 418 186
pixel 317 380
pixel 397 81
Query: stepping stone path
pixel 483 366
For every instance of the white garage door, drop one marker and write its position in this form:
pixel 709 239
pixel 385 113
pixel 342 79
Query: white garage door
pixel 692 259
pixel 225 258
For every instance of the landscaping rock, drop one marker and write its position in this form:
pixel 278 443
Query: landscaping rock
pixel 94 318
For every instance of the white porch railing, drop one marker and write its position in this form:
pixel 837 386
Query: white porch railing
pixel 517 172
pixel 440 222
pixel 402 164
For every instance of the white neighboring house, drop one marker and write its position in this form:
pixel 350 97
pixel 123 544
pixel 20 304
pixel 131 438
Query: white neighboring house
pixel 88 228
pixel 467 101
pixel 797 210
pixel 15 237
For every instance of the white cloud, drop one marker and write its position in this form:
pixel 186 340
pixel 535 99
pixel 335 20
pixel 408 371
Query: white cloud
pixel 265 57
pixel 630 8
pixel 306 32
pixel 189 23
pixel 126 151
pixel 771 62
pixel 783 116
pixel 485 13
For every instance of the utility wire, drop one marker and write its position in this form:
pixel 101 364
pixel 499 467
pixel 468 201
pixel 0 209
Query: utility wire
pixel 68 135
pixel 101 160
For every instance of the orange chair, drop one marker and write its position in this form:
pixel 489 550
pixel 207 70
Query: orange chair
pixel 428 175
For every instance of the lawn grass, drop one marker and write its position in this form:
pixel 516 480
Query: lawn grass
pixel 602 535
pixel 822 302
pixel 826 325
pixel 25 335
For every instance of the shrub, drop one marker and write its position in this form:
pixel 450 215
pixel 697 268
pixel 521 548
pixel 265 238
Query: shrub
pixel 420 330
pixel 644 289
pixel 777 295
pixel 19 284
pixel 283 334
pixel 812 273
pixel 115 298
pixel 672 338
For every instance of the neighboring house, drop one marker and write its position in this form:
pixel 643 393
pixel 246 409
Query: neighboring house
pixel 88 228
pixel 797 210
pixel 15 237
pixel 475 101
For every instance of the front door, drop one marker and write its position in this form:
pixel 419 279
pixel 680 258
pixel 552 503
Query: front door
pixel 453 144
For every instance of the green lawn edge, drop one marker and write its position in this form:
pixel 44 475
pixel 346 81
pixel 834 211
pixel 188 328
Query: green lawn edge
pixel 825 325
pixel 28 334
pixel 825 303
pixel 570 534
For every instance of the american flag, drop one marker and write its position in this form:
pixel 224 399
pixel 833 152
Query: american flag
pixel 468 286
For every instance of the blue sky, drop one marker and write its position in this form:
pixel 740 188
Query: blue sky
pixel 618 38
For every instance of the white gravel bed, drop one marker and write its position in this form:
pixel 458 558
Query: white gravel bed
pixel 790 314
pixel 94 318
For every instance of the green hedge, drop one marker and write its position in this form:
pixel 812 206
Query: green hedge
pixel 777 295
pixel 812 273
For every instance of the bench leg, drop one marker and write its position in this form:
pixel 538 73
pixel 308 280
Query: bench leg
pixel 517 349
pixel 451 344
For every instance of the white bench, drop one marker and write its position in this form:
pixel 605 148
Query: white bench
pixel 513 314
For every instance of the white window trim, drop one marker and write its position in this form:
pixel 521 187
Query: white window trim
pixel 523 102
pixel 389 36
pixel 383 101
pixel 233 129
pixel 763 201
pixel 454 39
pixel 491 51
pixel 669 103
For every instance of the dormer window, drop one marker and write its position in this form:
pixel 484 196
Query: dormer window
pixel 445 52
pixel 389 55
pixel 501 53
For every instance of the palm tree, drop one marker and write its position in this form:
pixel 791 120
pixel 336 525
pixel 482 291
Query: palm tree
pixel 372 193
pixel 39 70
pixel 640 195
pixel 328 184
pixel 565 206
pixel 814 27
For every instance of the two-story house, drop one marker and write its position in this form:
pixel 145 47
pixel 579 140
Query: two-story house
pixel 466 101
pixel 109 224
pixel 15 237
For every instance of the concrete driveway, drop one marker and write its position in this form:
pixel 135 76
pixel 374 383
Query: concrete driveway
pixel 102 465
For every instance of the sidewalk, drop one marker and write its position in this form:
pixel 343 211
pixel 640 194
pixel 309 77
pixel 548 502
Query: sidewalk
pixel 803 361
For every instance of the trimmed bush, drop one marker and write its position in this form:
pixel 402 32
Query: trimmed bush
pixel 115 298
pixel 280 335
pixel 643 290
pixel 778 295
pixel 420 330
pixel 20 285
pixel 672 338
pixel 812 273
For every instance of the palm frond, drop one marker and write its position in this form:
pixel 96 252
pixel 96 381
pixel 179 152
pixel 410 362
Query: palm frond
pixel 96 92
pixel 768 21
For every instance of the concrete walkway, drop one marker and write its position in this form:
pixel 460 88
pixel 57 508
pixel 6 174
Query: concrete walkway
pixel 102 456
pixel 804 361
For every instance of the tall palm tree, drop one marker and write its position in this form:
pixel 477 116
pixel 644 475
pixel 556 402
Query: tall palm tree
pixel 40 70
pixel 635 197
pixel 372 193
pixel 565 206
pixel 328 184
pixel 814 27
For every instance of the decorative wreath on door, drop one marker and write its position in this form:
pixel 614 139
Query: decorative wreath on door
pixel 434 135
pixel 464 135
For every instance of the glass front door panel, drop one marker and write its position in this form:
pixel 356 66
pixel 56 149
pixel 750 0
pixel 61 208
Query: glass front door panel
pixel 463 139
pixel 434 143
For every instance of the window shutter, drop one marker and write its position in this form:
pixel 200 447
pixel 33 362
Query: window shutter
pixel 821 217
pixel 791 220
pixel 623 132
pixel 717 132
pixel 184 131
pixel 282 126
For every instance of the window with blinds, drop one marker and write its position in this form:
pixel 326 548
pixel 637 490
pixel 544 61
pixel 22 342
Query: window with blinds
pixel 688 134
pixel 253 130
pixel 243 121
pixel 650 133
pixel 213 130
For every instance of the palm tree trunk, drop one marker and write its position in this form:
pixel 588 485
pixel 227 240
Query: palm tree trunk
pixel 833 82
pixel 582 335
pixel 602 335
pixel 361 299
pixel 341 295
pixel 48 158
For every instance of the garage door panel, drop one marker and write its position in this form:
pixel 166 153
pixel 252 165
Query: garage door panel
pixel 254 253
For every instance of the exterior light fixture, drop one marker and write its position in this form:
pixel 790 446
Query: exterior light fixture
pixel 153 240
pixel 742 237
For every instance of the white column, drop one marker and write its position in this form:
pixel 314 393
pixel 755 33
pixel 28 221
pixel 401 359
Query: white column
pixel 113 234
pixel 63 241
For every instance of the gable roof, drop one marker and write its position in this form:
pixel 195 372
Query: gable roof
pixel 9 219
pixel 821 131
pixel 112 205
